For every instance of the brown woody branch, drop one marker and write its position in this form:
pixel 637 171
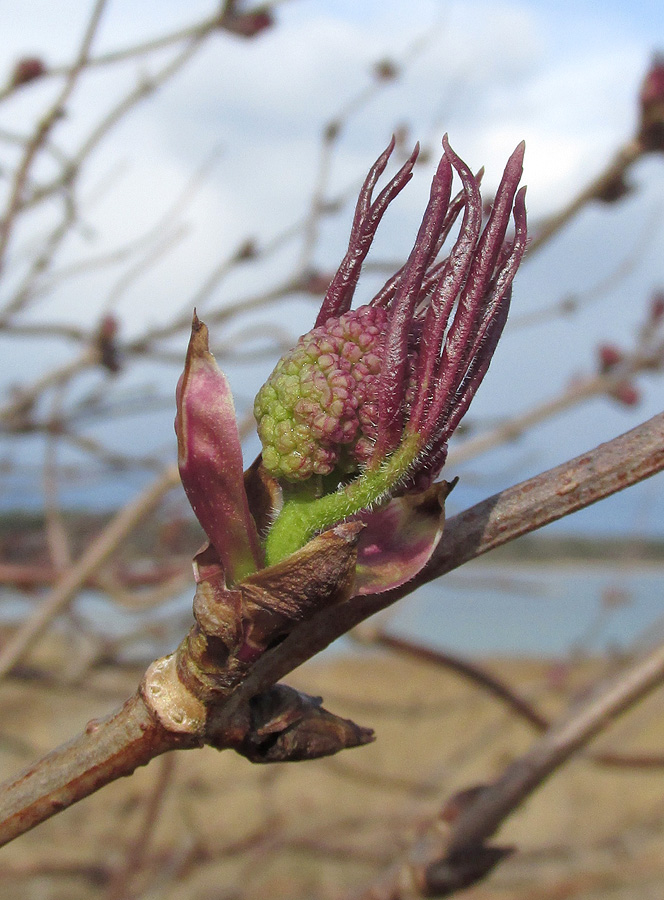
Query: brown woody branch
pixel 527 506
pixel 132 736
pixel 561 741
pixel 609 184
pixel 99 551
pixel 44 128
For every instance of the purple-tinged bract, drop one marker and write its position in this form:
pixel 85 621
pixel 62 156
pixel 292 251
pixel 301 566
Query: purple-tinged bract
pixel 210 459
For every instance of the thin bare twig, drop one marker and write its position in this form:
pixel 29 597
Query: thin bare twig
pixel 439 865
pixel 15 412
pixel 57 538
pixel 475 673
pixel 577 393
pixel 45 126
pixel 74 578
pixel 648 235
pixel 122 584
pixel 98 552
pixel 560 742
pixel 498 688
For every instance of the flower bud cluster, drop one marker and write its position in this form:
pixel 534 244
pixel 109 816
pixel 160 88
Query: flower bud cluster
pixel 371 396
pixel 317 411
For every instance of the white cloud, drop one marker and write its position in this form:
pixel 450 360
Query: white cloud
pixel 491 74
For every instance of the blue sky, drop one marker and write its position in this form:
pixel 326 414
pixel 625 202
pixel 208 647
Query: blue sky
pixel 563 75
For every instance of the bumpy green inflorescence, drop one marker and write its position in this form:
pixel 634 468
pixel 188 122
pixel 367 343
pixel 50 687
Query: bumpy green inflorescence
pixel 317 411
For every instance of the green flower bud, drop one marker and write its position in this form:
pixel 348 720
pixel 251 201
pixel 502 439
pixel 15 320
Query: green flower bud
pixel 317 412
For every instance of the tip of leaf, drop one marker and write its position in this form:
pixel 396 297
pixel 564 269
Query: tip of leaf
pixel 199 342
pixel 517 157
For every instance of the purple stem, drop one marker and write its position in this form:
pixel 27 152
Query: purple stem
pixel 339 295
pixel 393 372
pixel 385 295
pixel 451 281
pixel 466 321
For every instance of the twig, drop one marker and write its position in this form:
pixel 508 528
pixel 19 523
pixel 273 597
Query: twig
pixel 164 226
pixel 143 265
pixel 218 21
pixel 112 458
pixel 99 551
pixel 48 121
pixel 95 556
pixel 576 393
pixel 480 677
pixel 143 344
pixel 108 748
pixel 561 742
pixel 165 589
pixel 440 867
pixel 14 412
pixel 57 539
pixel 454 663
pixel 122 583
pixel 48 247
pixel 94 873
pixel 649 234
pixel 145 88
pixel 385 72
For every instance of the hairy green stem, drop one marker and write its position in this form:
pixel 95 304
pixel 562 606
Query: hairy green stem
pixel 301 516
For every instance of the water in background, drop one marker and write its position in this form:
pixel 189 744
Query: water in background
pixel 482 610
pixel 540 611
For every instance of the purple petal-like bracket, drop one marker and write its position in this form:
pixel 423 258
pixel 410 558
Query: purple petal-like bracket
pixel 447 316
pixel 399 539
pixel 210 459
pixel 395 354
pixel 368 214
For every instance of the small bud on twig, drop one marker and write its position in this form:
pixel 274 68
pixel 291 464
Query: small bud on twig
pixel 26 70
pixel 287 726
pixel 651 99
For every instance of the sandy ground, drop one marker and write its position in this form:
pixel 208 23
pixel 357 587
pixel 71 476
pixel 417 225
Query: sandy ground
pixel 324 829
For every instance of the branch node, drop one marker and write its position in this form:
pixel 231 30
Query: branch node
pixel 175 707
